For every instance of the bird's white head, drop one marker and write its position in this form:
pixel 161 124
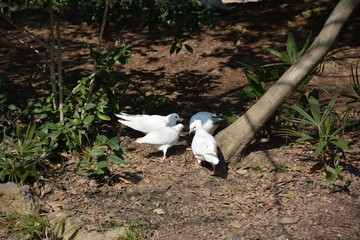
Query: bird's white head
pixel 173 119
pixel 192 127
pixel 195 125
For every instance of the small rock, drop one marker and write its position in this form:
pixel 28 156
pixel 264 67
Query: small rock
pixel 242 171
pixel 159 211
pixel 15 197
pixel 147 180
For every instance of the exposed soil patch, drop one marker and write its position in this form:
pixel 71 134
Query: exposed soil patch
pixel 175 200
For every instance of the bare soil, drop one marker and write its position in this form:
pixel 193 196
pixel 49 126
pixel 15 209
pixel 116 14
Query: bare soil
pixel 253 199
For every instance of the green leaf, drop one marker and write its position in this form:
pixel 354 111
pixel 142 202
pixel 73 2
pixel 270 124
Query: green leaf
pixel 274 52
pixel 90 106
pixel 113 143
pixel 320 146
pixel 329 107
pixel 42 116
pixel 116 159
pixel 101 138
pixel 97 152
pixel 102 164
pixel 308 118
pixel 97 171
pixel 291 48
pixel 306 44
pixel 172 48
pixel 340 143
pixel 315 110
pixel 89 119
pixel 189 48
pixel 13 107
pixel 103 116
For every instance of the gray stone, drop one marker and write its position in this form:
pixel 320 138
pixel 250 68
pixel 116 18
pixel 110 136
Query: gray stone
pixel 14 197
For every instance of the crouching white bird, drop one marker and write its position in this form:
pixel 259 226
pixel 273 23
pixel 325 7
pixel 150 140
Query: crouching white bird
pixel 204 147
pixel 147 123
pixel 208 121
pixel 162 138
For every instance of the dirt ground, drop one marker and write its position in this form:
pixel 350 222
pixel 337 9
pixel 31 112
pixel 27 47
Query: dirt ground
pixel 175 200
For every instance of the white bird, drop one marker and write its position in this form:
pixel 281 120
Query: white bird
pixel 162 138
pixel 204 147
pixel 147 123
pixel 216 4
pixel 208 121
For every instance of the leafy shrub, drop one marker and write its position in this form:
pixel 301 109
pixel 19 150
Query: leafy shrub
pixel 105 151
pixel 22 155
pixel 261 78
pixel 292 54
pixel 32 225
pixel 326 142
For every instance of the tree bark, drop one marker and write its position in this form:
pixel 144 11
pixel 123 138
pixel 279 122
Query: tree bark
pixel 233 140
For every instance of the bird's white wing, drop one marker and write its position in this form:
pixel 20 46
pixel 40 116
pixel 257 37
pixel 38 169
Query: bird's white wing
pixel 205 149
pixel 165 135
pixel 207 119
pixel 129 117
pixel 143 123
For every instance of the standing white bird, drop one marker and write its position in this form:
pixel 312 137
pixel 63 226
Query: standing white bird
pixel 216 4
pixel 147 123
pixel 162 138
pixel 208 121
pixel 204 147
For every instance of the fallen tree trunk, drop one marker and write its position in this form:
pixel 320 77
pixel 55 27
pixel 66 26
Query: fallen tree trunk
pixel 234 139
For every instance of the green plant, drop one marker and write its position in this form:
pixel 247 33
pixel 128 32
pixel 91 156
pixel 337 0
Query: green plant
pixel 106 61
pixel 29 225
pixel 32 225
pixel 177 46
pixel 259 80
pixel 22 154
pixel 326 140
pixel 105 151
pixel 292 54
pixel 280 166
pixel 333 172
pixel 290 57
pixel 133 232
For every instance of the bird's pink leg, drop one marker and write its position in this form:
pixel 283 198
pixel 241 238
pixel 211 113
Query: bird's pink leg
pixel 197 164
pixel 164 158
pixel 213 172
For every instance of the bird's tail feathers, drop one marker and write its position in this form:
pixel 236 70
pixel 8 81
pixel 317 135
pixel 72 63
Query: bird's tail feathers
pixel 125 116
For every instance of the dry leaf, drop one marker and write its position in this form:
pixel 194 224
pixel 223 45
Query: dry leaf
pixel 287 220
pixel 125 180
pixel 159 211
pixel 165 186
pixel 289 196
pixel 235 224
